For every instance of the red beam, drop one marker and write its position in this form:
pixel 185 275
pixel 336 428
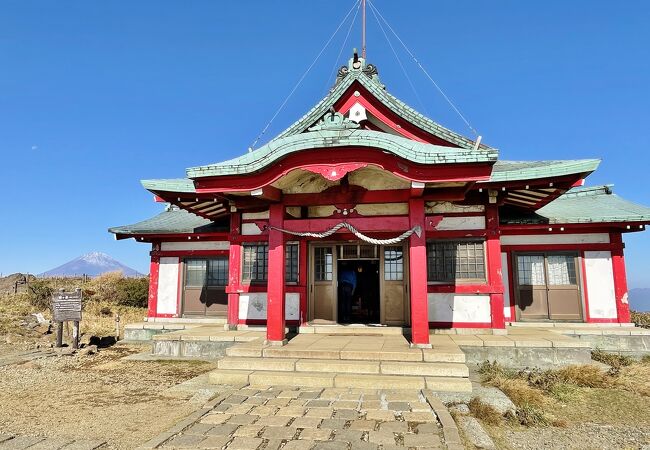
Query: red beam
pixel 189 253
pixel 365 224
pixel 559 247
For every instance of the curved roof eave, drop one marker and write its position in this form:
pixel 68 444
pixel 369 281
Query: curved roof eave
pixel 416 152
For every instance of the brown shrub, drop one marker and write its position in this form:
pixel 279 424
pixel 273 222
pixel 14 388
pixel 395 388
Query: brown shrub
pixel 615 361
pixel 484 412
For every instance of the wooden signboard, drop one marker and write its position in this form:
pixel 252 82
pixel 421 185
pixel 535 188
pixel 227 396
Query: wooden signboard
pixel 66 306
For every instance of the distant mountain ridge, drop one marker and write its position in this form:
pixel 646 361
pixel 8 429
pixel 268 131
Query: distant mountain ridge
pixel 639 299
pixel 91 264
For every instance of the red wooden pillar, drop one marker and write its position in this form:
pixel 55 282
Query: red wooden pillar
pixel 620 278
pixel 234 271
pixel 275 321
pixel 154 269
pixel 418 276
pixel 494 269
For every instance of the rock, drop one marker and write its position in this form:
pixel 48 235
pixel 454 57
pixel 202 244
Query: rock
pixel 475 433
pixel 88 350
pixel 65 351
pixel 460 408
pixel 495 398
pixel 13 338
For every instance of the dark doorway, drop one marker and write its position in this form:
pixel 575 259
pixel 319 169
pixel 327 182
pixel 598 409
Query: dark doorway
pixel 358 291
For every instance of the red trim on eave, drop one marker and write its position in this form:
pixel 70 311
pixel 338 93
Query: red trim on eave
pixel 189 253
pixel 385 115
pixel 400 167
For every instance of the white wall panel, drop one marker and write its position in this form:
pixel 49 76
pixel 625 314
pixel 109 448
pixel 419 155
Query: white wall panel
pixel 459 308
pixel 462 223
pixel 252 306
pixel 250 229
pixel 600 285
pixel 195 245
pixel 506 285
pixel 536 239
pixel 167 286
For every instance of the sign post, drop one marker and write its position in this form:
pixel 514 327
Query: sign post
pixel 66 306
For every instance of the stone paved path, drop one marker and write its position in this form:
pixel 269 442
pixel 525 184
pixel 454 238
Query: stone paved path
pixel 21 442
pixel 321 419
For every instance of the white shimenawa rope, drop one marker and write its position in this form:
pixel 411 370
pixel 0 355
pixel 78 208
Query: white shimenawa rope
pixel 416 229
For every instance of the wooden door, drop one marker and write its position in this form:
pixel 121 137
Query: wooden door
pixel 323 298
pixel 532 300
pixel 547 286
pixel 204 287
pixel 563 291
pixel 394 304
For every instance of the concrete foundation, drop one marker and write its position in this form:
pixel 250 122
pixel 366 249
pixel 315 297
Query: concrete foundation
pixel 193 349
pixel 522 357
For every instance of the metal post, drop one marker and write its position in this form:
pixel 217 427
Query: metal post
pixel 117 327
pixel 75 334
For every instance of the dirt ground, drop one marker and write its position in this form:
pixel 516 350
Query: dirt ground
pixel 93 396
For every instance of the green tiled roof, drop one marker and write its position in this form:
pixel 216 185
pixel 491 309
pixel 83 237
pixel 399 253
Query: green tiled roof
pixel 394 104
pixel 414 151
pixel 583 205
pixel 170 221
pixel 528 170
pixel 170 185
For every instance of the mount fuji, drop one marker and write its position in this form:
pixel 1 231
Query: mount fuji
pixel 91 264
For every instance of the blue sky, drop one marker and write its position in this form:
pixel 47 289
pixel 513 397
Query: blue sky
pixel 95 96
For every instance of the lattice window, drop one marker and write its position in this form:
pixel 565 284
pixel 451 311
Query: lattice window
pixel 450 261
pixel 561 270
pixel 195 272
pixel 323 264
pixel 393 263
pixel 530 270
pixel 218 272
pixel 291 263
pixel 256 263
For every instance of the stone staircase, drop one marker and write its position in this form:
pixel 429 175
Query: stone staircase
pixel 377 362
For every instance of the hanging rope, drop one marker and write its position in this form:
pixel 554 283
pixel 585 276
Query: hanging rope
pixel 374 8
pixel 399 61
pixel 250 149
pixel 416 229
pixel 328 82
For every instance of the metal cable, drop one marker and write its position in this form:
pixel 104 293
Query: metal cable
pixel 374 8
pixel 338 57
pixel 399 61
pixel 302 77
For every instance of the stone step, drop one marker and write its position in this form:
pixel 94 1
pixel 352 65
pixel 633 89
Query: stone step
pixel 402 368
pixel 447 384
pixel 302 379
pixel 351 330
pixel 337 380
pixel 242 363
pixel 448 355
pixel 432 369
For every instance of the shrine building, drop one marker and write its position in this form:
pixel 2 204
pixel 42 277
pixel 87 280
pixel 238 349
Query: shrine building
pixel 366 212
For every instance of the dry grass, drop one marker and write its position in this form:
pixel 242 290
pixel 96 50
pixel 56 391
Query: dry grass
pixel 98 317
pixel 484 412
pixel 616 362
pixel 642 319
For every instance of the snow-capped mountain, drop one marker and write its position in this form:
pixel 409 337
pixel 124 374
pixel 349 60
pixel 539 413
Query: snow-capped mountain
pixel 91 264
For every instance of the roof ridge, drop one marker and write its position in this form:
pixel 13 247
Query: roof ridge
pixel 581 191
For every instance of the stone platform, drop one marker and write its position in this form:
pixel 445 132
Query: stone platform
pixel 345 361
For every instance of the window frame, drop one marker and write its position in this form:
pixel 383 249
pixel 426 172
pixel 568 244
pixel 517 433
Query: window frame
pixel 459 281
pixel 259 282
pixel 207 261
